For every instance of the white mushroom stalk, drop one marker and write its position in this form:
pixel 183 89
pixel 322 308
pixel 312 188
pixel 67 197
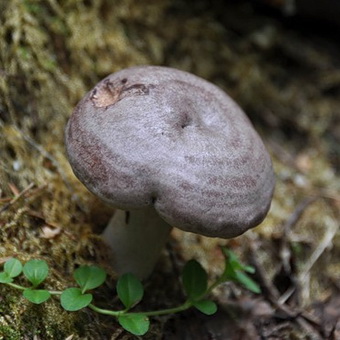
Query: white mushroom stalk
pixel 166 145
pixel 136 238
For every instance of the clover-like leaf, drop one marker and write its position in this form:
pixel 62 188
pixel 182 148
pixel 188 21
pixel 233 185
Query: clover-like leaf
pixel 130 290
pixel 72 299
pixel 232 260
pixel 195 280
pixel 249 269
pixel 207 307
pixel 13 267
pixel 35 271
pixel 36 296
pixel 137 324
pixel 89 277
pixel 236 271
pixel 5 278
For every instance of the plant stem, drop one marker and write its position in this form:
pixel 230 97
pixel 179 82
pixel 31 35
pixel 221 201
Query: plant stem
pixel 213 286
pixel 105 311
pixel 184 306
pixel 16 286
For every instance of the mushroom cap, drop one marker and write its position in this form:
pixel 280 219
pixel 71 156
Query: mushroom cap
pixel 158 136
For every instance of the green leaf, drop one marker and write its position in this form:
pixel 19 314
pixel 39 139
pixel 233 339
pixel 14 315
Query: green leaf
pixel 235 271
pixel 247 282
pixel 249 269
pixel 195 280
pixel 130 290
pixel 206 306
pixel 137 324
pixel 5 278
pixel 89 277
pixel 13 267
pixel 72 299
pixel 35 271
pixel 36 296
pixel 234 261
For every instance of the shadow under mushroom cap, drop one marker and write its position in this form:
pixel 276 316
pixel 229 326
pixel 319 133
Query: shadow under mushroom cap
pixel 158 136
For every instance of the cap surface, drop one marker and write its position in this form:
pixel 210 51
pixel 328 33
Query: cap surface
pixel 158 136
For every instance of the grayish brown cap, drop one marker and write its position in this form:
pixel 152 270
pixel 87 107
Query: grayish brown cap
pixel 159 136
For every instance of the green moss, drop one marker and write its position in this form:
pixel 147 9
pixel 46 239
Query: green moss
pixel 8 333
pixel 18 318
pixel 53 52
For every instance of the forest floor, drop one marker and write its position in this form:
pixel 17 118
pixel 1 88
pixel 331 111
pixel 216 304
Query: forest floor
pixel 283 73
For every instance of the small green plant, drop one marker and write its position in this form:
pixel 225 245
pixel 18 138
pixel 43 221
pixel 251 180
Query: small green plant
pixel 129 289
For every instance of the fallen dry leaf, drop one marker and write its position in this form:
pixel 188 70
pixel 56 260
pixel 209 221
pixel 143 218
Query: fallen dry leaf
pixel 48 232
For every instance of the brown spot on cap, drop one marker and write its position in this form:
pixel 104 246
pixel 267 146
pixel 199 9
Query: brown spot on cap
pixel 109 92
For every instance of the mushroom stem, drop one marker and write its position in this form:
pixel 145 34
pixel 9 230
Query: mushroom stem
pixel 136 238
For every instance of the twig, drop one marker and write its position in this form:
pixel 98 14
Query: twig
pixel 297 213
pixel 285 252
pixel 13 200
pixel 45 153
pixel 14 189
pixel 303 318
pixel 322 246
pixel 47 223
pixel 282 154
pixel 329 195
pixel 265 282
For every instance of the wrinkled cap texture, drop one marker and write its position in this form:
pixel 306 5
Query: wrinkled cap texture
pixel 158 136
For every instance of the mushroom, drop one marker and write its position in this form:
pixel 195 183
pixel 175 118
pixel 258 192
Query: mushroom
pixel 167 148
